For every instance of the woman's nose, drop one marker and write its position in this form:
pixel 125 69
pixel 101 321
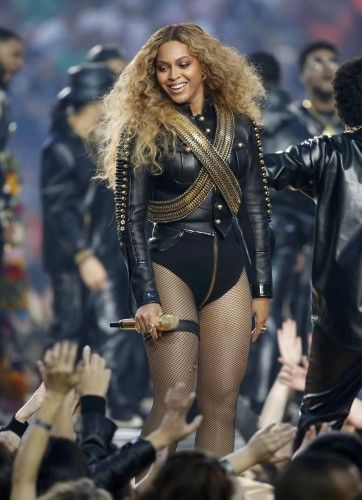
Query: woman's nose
pixel 174 73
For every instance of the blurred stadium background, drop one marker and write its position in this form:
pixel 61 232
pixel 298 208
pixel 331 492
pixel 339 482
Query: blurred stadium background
pixel 58 33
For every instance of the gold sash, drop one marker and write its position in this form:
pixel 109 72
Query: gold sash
pixel 215 169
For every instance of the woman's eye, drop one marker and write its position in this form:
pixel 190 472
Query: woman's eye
pixel 184 65
pixel 161 68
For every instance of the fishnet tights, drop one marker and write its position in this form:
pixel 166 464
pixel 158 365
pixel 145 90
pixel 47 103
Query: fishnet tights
pixel 213 365
pixel 173 358
pixel 225 329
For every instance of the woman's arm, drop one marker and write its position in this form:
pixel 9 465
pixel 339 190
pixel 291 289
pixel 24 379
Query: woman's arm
pixel 257 203
pixel 256 199
pixel 132 195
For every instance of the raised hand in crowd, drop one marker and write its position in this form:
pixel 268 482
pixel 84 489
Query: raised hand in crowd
pixel 174 426
pixel 115 470
pixel 262 447
pixel 94 376
pixel 294 376
pixel 311 434
pixel 290 345
pixel 61 377
pixel 11 434
pixel 33 404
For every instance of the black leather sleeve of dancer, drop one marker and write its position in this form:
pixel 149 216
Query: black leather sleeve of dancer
pixel 256 204
pixel 96 432
pixel 60 198
pixel 117 469
pixel 110 467
pixel 300 167
pixel 133 237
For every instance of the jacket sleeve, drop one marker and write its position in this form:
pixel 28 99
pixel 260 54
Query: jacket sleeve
pixel 59 191
pixel 299 167
pixel 132 197
pixel 257 202
pixel 96 431
pixel 113 472
pixel 111 468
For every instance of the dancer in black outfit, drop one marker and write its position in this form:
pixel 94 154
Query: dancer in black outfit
pixel 330 170
pixel 81 251
pixel 190 160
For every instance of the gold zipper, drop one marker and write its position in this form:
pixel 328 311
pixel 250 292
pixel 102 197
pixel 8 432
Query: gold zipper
pixel 213 277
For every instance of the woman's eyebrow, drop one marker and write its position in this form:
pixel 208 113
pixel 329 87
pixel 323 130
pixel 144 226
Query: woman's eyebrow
pixel 160 61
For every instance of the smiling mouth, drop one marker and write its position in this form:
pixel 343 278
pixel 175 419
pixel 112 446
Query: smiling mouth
pixel 177 87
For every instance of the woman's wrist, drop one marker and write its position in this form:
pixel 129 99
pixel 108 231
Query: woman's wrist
pixel 82 255
pixel 158 439
pixel 17 425
pixel 241 459
pixel 261 291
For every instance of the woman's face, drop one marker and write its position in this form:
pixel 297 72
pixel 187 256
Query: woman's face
pixel 180 75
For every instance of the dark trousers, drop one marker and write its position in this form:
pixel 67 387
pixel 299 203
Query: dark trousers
pixel 83 317
pixel 333 381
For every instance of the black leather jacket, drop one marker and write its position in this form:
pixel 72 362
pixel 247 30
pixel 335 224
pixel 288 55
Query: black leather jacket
pixel 77 214
pixel 330 170
pixel 179 172
pixel 110 467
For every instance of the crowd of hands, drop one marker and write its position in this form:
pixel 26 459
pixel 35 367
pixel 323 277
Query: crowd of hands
pixel 54 407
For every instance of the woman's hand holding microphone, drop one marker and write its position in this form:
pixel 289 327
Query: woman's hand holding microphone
pixel 147 318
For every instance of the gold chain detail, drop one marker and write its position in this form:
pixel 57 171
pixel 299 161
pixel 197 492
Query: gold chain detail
pixel 215 170
pixel 264 171
pixel 122 167
pixel 180 207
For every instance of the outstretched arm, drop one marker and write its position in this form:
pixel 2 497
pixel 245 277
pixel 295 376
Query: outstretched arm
pixel 299 167
pixel 261 448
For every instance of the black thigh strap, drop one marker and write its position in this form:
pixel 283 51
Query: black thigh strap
pixel 184 325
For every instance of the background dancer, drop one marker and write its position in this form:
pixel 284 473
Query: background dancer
pixel 329 169
pixel 81 251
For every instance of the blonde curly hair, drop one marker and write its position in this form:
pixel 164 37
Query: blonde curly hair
pixel 137 104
